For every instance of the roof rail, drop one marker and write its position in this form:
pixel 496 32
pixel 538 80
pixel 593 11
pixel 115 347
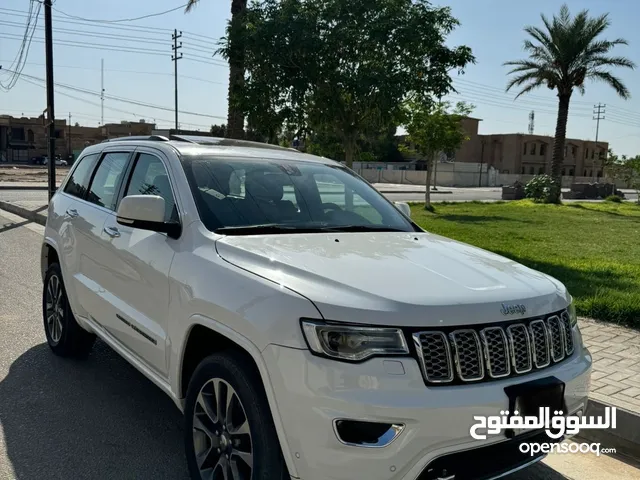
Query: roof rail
pixel 227 142
pixel 157 138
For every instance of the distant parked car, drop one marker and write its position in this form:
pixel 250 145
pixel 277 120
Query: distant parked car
pixel 59 162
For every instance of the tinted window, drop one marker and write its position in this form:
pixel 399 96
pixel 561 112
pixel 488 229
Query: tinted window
pixel 108 176
pixel 150 177
pixel 79 180
pixel 301 195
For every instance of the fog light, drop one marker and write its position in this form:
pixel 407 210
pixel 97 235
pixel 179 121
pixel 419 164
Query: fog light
pixel 366 434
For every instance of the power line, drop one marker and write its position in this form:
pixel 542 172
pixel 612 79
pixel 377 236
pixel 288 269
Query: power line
pixel 124 100
pixel 98 46
pixel 23 50
pixel 85 33
pixel 138 72
pixel 122 19
pixel 88 102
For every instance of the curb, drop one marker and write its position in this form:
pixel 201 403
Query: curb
pixel 22 187
pixel 626 436
pixel 32 215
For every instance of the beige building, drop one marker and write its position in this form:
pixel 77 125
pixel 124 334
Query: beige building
pixel 24 138
pixel 524 154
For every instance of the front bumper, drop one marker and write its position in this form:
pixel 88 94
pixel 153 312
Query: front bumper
pixel 311 392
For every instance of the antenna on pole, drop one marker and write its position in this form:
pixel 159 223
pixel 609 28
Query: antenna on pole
pixel 532 120
pixel 102 91
pixel 598 111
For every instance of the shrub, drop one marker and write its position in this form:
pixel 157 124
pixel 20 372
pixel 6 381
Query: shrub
pixel 542 189
pixel 613 198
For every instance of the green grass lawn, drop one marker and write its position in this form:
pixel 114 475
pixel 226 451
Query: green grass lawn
pixel 593 248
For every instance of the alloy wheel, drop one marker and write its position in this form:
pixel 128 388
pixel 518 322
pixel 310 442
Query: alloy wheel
pixel 54 308
pixel 221 434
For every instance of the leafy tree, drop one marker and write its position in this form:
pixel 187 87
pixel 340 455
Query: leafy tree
pixel 433 128
pixel 627 170
pixel 562 55
pixel 342 68
pixel 235 56
pixel 219 130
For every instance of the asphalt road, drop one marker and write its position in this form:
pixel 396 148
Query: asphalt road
pixel 100 418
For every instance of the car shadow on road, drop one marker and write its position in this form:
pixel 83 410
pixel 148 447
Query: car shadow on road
pixel 539 471
pixel 98 418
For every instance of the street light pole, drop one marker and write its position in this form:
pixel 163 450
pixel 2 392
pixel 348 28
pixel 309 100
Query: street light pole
pixel 51 127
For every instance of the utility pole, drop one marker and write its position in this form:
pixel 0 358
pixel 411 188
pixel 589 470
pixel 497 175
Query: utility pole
pixel 481 162
pixel 51 126
pixel 175 57
pixel 598 111
pixel 69 155
pixel 102 91
pixel 532 122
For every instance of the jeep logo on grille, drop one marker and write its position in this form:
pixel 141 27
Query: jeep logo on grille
pixel 511 309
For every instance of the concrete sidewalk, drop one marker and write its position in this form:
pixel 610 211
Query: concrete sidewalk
pixel 615 379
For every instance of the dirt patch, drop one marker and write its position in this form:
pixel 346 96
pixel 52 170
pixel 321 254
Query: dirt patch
pixel 32 174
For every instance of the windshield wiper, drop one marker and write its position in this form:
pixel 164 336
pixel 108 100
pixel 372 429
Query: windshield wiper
pixel 277 228
pixel 361 228
pixel 266 229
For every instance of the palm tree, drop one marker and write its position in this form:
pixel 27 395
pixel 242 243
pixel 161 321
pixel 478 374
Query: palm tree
pixel 562 56
pixel 235 117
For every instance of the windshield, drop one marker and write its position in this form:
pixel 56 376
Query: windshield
pixel 245 196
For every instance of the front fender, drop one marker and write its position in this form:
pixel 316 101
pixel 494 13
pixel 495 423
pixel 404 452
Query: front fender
pixel 250 348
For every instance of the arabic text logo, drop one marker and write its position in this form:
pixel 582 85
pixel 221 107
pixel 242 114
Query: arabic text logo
pixel 556 426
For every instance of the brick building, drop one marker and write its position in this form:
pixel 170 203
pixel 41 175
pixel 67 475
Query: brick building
pixel 24 138
pixel 520 153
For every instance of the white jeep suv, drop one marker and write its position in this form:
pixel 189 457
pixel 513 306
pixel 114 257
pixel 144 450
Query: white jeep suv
pixel 306 327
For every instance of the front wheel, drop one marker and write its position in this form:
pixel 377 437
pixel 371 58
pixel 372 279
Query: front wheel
pixel 64 336
pixel 229 432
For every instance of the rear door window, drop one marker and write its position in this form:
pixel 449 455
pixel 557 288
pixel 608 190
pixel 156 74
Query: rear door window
pixel 78 183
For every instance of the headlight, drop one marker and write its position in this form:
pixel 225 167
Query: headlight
pixel 573 317
pixel 353 343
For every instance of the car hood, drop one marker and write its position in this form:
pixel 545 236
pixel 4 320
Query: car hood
pixel 397 278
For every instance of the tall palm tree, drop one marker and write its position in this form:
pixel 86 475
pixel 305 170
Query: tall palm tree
pixel 562 56
pixel 235 117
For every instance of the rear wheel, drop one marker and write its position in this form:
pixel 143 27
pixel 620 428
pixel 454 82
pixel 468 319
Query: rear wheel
pixel 229 432
pixel 64 336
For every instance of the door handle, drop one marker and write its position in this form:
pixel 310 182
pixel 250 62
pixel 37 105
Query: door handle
pixel 111 231
pixel 72 212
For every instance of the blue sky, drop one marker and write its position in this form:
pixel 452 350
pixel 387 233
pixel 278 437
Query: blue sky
pixel 492 28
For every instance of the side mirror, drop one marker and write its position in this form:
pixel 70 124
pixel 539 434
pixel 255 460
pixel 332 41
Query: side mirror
pixel 404 208
pixel 146 212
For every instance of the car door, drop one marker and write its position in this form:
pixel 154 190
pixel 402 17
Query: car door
pixel 69 217
pixel 99 202
pixel 137 271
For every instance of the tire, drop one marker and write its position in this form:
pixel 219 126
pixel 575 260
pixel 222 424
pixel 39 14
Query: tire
pixel 215 373
pixel 65 337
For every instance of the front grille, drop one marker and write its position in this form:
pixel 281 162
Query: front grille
pixel 467 355
pixel 556 338
pixel 491 352
pixel 433 350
